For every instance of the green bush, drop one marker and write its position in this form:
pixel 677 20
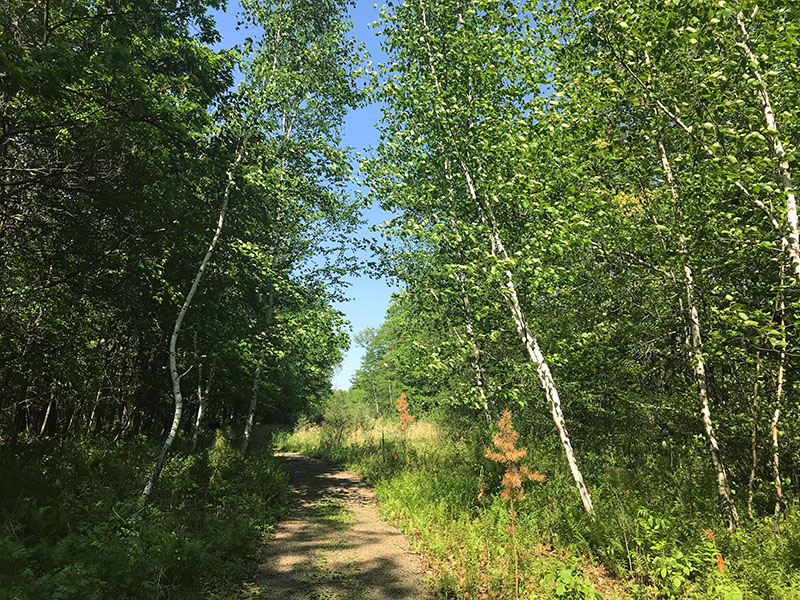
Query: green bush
pixel 73 525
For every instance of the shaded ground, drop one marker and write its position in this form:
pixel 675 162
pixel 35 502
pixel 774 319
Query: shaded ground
pixel 333 545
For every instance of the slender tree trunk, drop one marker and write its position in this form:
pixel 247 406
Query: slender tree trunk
pixel 754 412
pixel 784 171
pixel 199 419
pixel 780 506
pixel 729 514
pixel 251 413
pixel 481 378
pixel 74 414
pixel 90 421
pixel 776 415
pixel 201 403
pixel 529 341
pixel 173 343
pixel 695 349
pixel 46 419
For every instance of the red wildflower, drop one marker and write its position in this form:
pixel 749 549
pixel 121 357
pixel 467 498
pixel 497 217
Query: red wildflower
pixel 720 564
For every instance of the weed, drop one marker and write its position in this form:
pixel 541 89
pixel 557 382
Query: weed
pixel 405 419
pixel 72 526
pixel 332 514
pixel 509 456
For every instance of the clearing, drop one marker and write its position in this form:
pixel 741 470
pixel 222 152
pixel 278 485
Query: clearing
pixel 333 545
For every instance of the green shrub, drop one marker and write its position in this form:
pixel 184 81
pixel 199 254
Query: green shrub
pixel 73 525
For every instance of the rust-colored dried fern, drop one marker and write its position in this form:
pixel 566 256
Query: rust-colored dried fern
pixel 405 419
pixel 509 455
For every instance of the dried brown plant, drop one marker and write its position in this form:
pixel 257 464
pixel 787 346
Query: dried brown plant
pixel 509 455
pixel 405 419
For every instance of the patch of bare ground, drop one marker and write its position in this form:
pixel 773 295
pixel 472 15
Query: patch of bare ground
pixel 333 545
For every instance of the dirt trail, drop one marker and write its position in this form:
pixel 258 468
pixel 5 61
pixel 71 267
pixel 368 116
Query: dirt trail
pixel 333 545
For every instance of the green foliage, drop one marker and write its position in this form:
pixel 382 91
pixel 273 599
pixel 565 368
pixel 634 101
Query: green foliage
pixel 651 542
pixel 72 525
pixel 121 137
pixel 570 584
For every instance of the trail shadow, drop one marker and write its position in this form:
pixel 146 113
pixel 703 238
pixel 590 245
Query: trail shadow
pixel 332 545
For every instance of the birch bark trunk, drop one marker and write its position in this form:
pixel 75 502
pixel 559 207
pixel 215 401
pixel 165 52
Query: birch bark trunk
pixel 754 412
pixel 173 342
pixel 46 419
pixel 529 341
pixel 780 507
pixel 201 406
pixel 481 378
pixel 251 414
pixel 248 427
pixel 90 423
pixel 695 351
pixel 783 169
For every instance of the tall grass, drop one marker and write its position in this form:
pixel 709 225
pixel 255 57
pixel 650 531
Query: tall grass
pixel 647 541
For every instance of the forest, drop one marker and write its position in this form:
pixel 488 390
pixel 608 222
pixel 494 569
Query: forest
pixel 596 246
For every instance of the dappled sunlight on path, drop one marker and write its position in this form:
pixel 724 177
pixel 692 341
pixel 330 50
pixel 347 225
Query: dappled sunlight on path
pixel 333 544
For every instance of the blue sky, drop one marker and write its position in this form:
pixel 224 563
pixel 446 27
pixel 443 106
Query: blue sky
pixel 369 298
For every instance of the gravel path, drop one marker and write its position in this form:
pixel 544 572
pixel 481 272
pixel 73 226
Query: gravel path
pixel 333 545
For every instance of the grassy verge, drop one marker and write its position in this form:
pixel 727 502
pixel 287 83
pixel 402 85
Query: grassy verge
pixel 72 525
pixel 641 545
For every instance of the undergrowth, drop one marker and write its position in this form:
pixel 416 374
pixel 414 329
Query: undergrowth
pixel 647 540
pixel 73 525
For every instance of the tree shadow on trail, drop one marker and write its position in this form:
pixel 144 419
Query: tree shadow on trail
pixel 332 545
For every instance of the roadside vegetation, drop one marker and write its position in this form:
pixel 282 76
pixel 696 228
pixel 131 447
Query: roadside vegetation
pixel 593 225
pixel 652 536
pixel 74 526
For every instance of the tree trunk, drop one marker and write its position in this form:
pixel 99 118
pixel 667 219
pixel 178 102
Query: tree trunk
pixel 784 171
pixel 754 412
pixel 201 403
pixel 46 419
pixel 75 412
pixel 530 343
pixel 90 422
pixel 695 350
pixel 251 414
pixel 481 378
pixel 173 343
pixel 780 506
pixel 776 415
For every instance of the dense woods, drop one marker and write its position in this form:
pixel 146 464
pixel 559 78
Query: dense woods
pixel 126 156
pixel 604 193
pixel 594 227
pixel 173 233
